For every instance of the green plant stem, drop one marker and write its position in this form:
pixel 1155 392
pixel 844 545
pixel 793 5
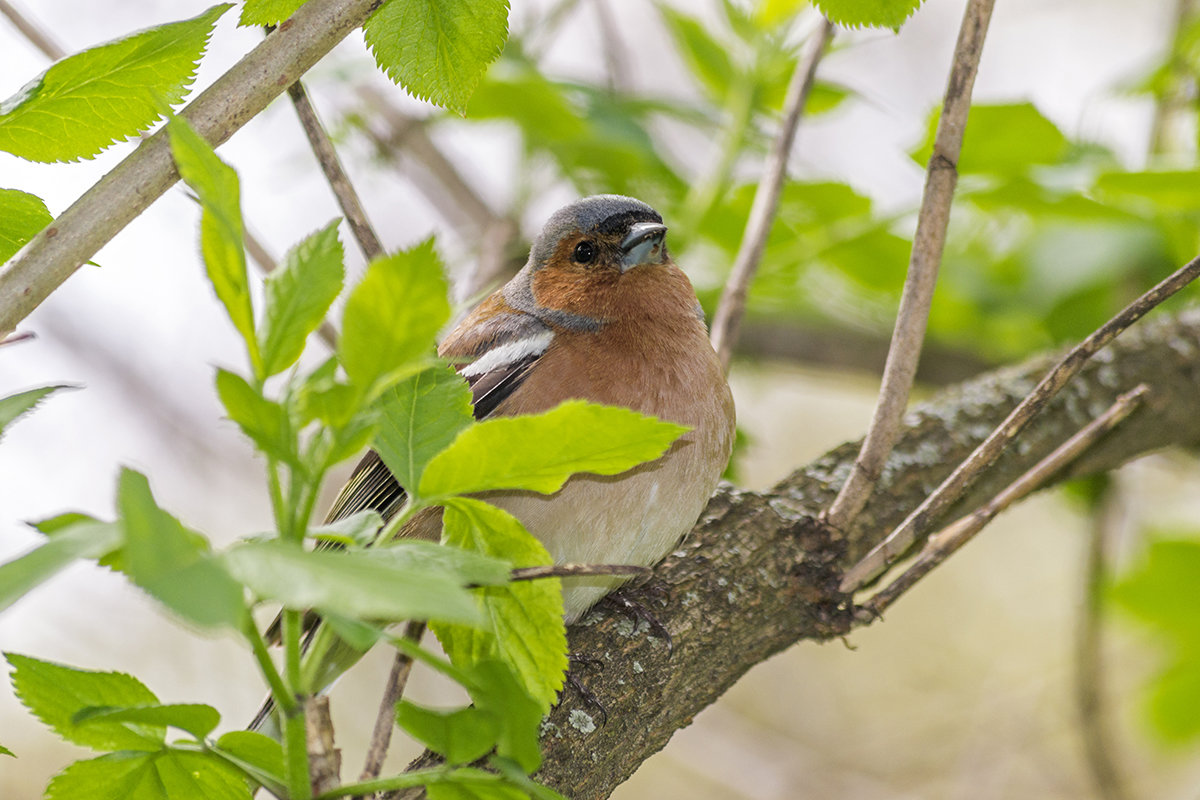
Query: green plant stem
pixel 295 754
pixel 278 508
pixel 283 698
pixel 291 648
pixel 404 780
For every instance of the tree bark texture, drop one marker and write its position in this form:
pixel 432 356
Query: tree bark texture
pixel 759 574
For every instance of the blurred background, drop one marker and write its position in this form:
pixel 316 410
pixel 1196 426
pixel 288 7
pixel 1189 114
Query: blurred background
pixel 1079 190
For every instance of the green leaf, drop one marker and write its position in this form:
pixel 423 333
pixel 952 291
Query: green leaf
pixel 539 452
pixel 20 403
pixel 221 232
pixel 349 583
pixel 1166 190
pixel 55 693
pixel 22 215
pixel 525 629
pixel 461 735
pixel 420 416
pixel 473 787
pixel 513 772
pixel 466 566
pixel 164 775
pixel 83 540
pixel 263 420
pixel 298 294
pixel 105 94
pixel 393 315
pixel 495 688
pixel 261 753
pixel 4 751
pixel 707 59
pixel 1004 139
pixel 357 530
pixel 171 562
pixel 267 12
pixel 196 718
pixel 1161 593
pixel 438 49
pixel 868 13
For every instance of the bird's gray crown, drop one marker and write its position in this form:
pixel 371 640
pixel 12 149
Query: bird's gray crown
pixel 600 214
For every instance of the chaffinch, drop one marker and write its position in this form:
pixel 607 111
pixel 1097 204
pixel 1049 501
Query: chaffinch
pixel 600 312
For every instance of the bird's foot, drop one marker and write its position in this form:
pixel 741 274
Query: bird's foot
pixel 638 612
pixel 587 695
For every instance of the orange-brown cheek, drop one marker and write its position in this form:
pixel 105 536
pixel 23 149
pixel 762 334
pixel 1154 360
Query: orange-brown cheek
pixel 575 290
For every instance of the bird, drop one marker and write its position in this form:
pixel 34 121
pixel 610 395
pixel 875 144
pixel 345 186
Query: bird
pixel 599 312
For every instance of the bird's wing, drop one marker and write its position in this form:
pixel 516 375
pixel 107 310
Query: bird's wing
pixel 502 349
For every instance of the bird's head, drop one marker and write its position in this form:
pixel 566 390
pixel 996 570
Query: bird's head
pixel 588 258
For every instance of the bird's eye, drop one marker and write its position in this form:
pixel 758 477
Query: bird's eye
pixel 584 253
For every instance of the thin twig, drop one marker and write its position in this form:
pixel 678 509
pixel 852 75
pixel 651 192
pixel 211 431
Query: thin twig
pixel 616 59
pixel 54 254
pixel 17 338
pixel 381 737
pixel 941 545
pixel 1099 747
pixel 766 199
pixel 406 132
pixel 33 32
pixel 335 174
pixel 575 570
pixel 917 296
pixel 324 760
pixel 953 487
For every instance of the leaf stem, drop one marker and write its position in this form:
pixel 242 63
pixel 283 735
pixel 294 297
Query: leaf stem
pixel 279 690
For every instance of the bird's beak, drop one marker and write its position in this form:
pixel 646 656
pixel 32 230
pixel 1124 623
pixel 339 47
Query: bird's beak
pixel 642 244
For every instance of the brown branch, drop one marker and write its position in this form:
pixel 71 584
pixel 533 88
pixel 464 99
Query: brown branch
pixel 616 59
pixel 576 570
pixel 33 32
pixel 760 573
pixel 236 97
pixel 324 760
pixel 766 199
pixel 1099 747
pixel 899 540
pixel 940 179
pixel 335 174
pixel 946 542
pixel 397 680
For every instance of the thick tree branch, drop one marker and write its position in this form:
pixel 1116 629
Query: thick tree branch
pixel 142 177
pixel 759 573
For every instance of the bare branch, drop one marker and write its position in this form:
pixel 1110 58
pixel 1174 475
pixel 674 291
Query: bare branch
pixel 32 31
pixel 766 199
pixel 129 188
pixel 616 60
pixel 1099 745
pixel 17 338
pixel 941 545
pixel 576 570
pixel 406 132
pixel 381 736
pixel 928 243
pixel 335 174
pixel 990 449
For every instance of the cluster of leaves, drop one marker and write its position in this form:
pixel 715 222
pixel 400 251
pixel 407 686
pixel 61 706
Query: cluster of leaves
pixel 505 641
pixel 1161 594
